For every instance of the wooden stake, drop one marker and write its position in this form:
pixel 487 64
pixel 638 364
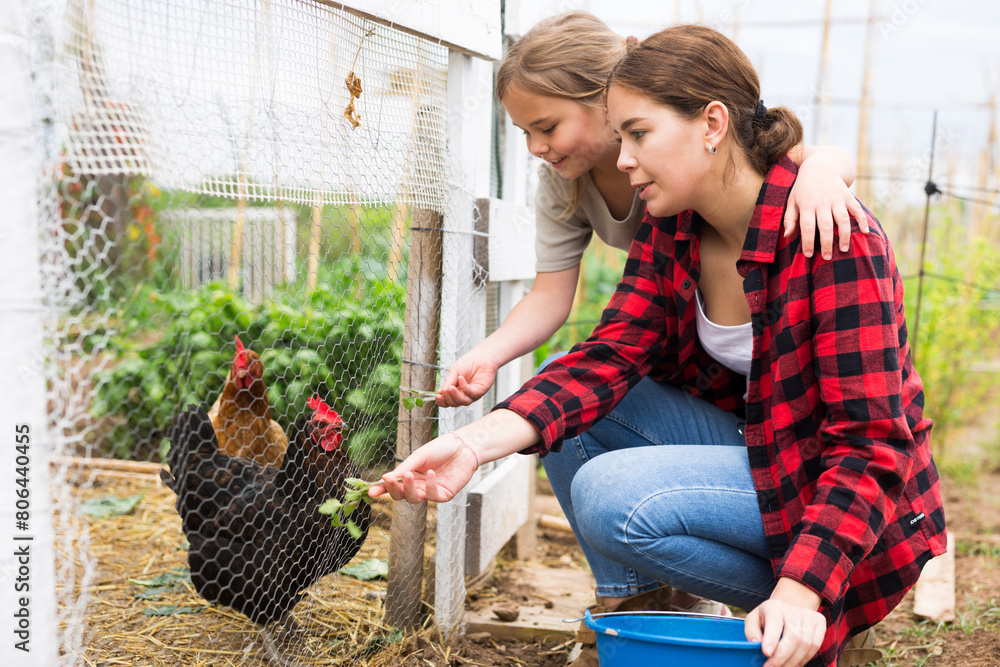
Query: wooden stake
pixel 923 244
pixel 315 231
pixel 864 185
pixel 819 100
pixel 989 163
pixel 419 368
pixel 398 233
pixel 236 243
pixel 354 231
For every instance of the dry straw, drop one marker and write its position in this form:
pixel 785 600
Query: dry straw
pixel 340 621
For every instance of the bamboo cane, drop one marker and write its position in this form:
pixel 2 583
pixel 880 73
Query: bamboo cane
pixel 864 187
pixel 315 231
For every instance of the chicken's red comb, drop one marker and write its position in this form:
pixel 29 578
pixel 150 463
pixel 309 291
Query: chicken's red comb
pixel 323 411
pixel 239 344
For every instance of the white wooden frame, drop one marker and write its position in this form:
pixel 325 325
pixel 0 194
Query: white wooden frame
pixel 472 28
pixel 28 582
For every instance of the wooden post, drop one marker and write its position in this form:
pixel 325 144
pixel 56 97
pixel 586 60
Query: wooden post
pixel 416 426
pixel 463 307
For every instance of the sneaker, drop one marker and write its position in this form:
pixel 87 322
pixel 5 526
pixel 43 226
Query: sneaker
pixel 705 606
pixel 860 650
pixel 584 654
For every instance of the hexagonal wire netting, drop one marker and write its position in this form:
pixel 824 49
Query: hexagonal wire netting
pixel 243 214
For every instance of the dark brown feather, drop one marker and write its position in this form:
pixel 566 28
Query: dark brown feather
pixel 257 539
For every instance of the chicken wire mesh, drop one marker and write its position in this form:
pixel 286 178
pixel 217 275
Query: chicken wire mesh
pixel 244 210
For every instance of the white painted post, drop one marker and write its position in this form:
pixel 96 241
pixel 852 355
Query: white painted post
pixel 27 588
pixel 463 318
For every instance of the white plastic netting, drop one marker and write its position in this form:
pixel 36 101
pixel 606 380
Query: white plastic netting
pixel 250 170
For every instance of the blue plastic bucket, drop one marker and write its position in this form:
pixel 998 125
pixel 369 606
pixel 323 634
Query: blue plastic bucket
pixel 649 640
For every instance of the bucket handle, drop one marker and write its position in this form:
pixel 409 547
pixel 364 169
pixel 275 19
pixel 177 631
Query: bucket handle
pixel 647 613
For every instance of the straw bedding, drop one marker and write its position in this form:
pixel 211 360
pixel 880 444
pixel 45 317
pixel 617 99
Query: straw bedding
pixel 339 621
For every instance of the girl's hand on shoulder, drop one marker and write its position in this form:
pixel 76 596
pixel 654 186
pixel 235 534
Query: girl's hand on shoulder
pixel 467 381
pixel 788 626
pixel 819 199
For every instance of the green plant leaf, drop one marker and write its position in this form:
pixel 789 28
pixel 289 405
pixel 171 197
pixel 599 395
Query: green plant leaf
pixel 173 610
pixel 174 578
pixel 368 570
pixel 107 507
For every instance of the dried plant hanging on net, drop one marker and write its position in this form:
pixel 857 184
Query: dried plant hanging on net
pixel 353 82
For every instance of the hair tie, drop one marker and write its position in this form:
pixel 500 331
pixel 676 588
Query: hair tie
pixel 631 41
pixel 759 114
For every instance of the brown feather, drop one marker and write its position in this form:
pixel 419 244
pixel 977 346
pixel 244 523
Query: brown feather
pixel 241 416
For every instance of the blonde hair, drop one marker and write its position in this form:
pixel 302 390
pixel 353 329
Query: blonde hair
pixel 569 56
pixel 686 67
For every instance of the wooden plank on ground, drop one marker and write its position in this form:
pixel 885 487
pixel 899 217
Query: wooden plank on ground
pixel 934 594
pixel 556 594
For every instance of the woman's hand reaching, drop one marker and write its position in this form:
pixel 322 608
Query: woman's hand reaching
pixel 435 472
pixel 788 626
pixel 467 381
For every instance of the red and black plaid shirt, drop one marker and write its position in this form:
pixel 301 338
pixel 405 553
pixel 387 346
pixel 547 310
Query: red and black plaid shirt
pixel 835 432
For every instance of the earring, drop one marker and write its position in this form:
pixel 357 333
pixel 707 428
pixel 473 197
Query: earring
pixel 713 149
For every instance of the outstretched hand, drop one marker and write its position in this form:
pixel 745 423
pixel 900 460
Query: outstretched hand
pixel 435 472
pixel 467 381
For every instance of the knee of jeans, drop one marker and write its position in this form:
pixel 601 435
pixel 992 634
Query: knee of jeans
pixel 549 359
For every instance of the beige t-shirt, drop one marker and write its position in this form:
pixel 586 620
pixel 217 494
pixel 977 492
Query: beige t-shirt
pixel 559 243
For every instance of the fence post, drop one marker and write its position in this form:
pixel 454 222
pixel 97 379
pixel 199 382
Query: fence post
pixel 463 307
pixel 27 572
pixel 416 426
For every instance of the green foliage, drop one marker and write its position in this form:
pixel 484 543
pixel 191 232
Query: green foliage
pixel 344 348
pixel 340 512
pixel 369 570
pixel 173 610
pixel 107 507
pixel 958 329
pixel 416 398
pixel 113 235
pixel 602 270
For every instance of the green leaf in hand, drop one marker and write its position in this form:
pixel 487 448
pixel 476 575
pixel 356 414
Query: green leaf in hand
pixel 340 511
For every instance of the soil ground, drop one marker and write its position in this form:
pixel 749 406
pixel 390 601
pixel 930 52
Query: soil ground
pixel 972 640
pixel 121 631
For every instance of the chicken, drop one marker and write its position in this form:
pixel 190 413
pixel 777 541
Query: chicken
pixel 257 539
pixel 242 415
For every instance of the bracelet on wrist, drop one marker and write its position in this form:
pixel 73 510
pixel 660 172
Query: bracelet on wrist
pixel 462 441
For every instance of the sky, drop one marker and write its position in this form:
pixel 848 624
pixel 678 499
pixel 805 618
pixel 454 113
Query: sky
pixel 926 55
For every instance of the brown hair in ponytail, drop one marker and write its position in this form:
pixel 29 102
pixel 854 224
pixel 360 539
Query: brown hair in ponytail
pixel 686 67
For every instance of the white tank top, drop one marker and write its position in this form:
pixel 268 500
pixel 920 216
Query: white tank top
pixel 732 346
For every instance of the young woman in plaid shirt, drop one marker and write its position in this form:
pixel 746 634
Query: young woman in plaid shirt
pixel 551 84
pixel 803 490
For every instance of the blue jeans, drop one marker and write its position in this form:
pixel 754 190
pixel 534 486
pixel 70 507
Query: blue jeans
pixel 660 491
